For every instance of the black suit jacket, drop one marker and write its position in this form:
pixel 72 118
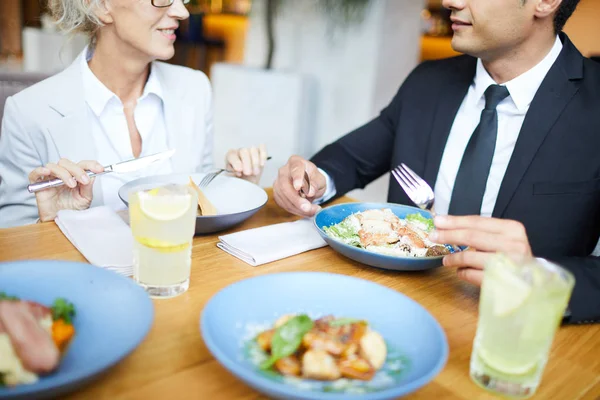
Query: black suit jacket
pixel 552 183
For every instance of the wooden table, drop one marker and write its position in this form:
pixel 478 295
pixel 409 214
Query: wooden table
pixel 174 363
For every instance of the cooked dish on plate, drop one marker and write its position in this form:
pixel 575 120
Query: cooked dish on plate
pixel 324 349
pixel 381 231
pixel 33 338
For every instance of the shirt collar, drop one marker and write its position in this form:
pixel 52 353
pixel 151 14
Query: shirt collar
pixel 97 95
pixel 523 88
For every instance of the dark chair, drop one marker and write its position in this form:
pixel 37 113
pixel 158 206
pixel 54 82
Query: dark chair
pixel 191 35
pixel 13 82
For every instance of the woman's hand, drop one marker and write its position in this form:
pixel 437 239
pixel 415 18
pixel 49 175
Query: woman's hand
pixel 247 163
pixel 75 194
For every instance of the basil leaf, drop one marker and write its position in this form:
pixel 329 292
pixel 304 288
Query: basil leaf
pixel 345 321
pixel 287 339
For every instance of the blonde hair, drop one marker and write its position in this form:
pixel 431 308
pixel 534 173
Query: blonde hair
pixel 76 16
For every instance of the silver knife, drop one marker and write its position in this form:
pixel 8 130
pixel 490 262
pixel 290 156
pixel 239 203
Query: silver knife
pixel 121 168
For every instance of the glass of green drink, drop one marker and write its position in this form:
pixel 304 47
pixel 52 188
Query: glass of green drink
pixel 521 306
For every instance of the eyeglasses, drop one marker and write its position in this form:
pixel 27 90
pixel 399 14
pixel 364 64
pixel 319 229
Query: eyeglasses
pixel 166 3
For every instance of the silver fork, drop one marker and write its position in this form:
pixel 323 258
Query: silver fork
pixel 415 187
pixel 208 178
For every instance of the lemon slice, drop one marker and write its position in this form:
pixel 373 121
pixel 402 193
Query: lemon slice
pixel 509 292
pixel 162 246
pixel 164 207
pixel 507 366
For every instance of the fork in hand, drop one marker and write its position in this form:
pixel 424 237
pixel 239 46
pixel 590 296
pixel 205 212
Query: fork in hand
pixel 418 190
pixel 208 178
pixel 415 187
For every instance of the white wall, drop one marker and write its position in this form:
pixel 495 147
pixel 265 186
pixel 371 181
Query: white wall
pixel 357 69
pixel 49 51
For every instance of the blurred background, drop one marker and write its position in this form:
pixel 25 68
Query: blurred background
pixel 293 74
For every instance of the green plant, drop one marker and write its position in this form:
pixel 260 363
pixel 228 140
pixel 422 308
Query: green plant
pixel 341 12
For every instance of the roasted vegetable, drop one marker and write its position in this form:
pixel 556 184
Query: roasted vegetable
pixel 289 366
pixel 318 364
pixel 327 349
pixel 354 367
pixel 62 333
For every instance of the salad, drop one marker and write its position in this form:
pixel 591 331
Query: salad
pixel 381 231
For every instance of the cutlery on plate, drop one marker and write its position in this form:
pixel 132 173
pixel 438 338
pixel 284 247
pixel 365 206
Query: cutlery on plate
pixel 121 168
pixel 211 176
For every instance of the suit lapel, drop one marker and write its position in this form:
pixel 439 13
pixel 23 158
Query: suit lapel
pixel 179 120
pixel 556 91
pixel 71 130
pixel 449 101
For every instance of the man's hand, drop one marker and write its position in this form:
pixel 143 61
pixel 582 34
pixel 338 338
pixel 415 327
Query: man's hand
pixel 484 236
pixel 286 189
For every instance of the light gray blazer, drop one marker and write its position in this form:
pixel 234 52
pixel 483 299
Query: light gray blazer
pixel 50 121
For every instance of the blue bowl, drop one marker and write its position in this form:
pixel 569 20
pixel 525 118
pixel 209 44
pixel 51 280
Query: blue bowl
pixel 417 345
pixel 335 214
pixel 113 317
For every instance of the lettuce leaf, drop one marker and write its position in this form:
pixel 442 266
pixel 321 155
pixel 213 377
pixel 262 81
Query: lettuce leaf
pixel 344 231
pixel 424 223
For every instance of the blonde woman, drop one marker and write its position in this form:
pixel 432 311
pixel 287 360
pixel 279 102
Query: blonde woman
pixel 114 103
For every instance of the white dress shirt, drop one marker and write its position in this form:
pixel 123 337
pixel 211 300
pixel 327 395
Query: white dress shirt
pixel 111 134
pixel 511 114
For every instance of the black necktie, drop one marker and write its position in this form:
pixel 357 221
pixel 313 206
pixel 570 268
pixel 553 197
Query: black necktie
pixel 474 170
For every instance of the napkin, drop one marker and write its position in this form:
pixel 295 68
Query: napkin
pixel 101 236
pixel 273 242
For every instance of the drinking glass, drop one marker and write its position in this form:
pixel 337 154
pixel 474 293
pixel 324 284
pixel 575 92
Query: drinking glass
pixel 163 223
pixel 521 305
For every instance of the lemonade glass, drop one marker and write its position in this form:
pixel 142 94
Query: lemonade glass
pixel 521 306
pixel 163 222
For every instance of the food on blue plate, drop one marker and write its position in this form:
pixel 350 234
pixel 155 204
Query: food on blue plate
pixel 33 337
pixel 324 349
pixel 381 231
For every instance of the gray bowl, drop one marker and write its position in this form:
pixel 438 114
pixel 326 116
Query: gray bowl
pixel 236 200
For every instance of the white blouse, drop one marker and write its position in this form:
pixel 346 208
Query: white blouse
pixel 111 134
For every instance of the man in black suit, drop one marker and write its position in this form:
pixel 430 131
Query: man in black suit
pixel 508 136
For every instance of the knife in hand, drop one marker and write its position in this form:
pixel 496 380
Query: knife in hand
pixel 121 168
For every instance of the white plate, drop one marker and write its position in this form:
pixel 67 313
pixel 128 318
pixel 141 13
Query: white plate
pixel 235 199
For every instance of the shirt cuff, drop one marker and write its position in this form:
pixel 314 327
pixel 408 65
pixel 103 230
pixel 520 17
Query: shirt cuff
pixel 329 188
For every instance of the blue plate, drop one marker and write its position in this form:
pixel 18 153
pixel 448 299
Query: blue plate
pixel 113 317
pixel 335 214
pixel 417 345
